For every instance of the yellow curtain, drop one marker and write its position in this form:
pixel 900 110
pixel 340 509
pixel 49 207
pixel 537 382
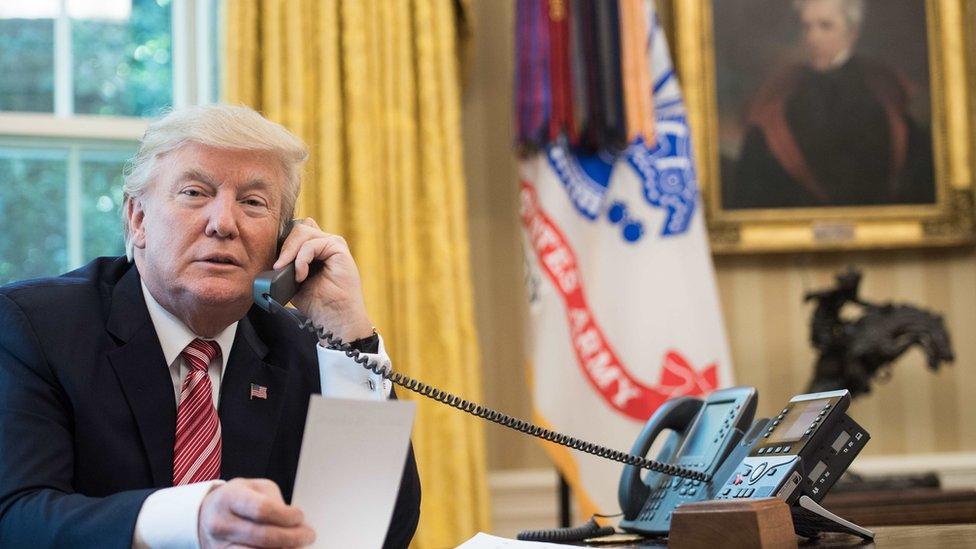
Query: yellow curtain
pixel 372 87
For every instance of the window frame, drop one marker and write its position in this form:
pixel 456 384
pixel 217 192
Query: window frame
pixel 194 37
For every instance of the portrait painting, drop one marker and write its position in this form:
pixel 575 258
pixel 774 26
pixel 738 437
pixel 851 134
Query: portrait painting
pixel 824 124
pixel 829 105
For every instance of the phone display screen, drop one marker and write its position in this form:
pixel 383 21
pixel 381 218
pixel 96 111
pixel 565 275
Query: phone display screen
pixel 796 422
pixel 712 421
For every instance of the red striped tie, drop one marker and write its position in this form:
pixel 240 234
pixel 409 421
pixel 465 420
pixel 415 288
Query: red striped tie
pixel 196 456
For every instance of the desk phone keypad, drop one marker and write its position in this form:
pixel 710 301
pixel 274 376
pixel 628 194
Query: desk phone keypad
pixel 672 492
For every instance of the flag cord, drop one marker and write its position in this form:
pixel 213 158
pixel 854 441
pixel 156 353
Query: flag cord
pixel 484 412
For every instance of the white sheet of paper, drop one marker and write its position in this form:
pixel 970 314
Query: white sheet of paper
pixel 488 541
pixel 349 470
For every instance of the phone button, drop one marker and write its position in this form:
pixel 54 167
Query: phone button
pixel 758 472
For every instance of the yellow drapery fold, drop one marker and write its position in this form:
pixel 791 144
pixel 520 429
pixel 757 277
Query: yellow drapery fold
pixel 372 87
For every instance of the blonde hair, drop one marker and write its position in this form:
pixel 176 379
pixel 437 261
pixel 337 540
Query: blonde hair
pixel 222 126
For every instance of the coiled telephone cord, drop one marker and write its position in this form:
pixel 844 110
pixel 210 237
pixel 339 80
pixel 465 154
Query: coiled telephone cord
pixel 485 412
pixel 567 535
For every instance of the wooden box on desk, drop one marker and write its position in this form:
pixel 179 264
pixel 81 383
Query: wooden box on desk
pixel 731 523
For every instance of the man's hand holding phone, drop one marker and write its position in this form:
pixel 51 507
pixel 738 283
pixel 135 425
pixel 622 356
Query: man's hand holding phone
pixel 331 296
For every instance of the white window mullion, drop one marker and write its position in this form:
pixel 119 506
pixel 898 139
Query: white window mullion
pixel 204 51
pixel 75 226
pixel 184 68
pixel 64 97
pixel 121 128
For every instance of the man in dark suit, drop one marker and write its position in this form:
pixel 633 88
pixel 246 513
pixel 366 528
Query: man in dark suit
pixel 133 385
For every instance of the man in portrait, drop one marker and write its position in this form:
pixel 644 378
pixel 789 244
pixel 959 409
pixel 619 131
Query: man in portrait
pixel 834 130
pixel 147 401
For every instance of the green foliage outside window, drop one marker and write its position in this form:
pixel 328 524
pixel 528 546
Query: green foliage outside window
pixel 119 68
pixel 32 214
pixel 124 68
pixel 27 65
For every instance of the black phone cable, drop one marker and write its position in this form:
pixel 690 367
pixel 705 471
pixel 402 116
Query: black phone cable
pixel 484 412
pixel 566 535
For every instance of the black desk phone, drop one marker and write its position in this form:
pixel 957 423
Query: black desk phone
pixel 714 450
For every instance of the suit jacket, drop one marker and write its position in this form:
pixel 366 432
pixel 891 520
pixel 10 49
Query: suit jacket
pixel 88 418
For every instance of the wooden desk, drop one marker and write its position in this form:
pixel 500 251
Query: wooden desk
pixel 943 536
pixel 920 517
pixel 905 507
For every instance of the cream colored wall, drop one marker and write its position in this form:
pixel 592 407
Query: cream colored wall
pixel 496 254
pixel 916 412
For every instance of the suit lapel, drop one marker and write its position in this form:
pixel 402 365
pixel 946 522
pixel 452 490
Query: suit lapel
pixel 248 425
pixel 144 375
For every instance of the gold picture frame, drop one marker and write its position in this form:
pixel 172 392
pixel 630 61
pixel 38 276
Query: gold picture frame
pixel 947 221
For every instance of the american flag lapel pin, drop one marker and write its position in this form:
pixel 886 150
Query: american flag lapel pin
pixel 259 391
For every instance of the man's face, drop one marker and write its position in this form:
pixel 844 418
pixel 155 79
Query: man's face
pixel 826 32
pixel 207 224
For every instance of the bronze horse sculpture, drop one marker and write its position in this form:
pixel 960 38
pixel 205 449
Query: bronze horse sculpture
pixel 853 352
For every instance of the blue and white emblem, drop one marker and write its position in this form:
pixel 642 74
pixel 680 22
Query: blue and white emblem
pixel 585 178
pixel 667 174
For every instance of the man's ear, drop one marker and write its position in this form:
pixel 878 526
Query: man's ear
pixel 136 215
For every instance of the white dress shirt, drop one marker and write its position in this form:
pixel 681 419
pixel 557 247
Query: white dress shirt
pixel 168 517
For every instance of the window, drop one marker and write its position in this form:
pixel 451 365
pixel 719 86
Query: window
pixel 81 80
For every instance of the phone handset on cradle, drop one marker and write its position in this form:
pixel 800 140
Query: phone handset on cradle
pixel 675 414
pixel 705 435
pixel 273 289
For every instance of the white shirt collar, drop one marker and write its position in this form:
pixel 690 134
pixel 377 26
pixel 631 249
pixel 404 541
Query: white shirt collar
pixel 841 58
pixel 174 336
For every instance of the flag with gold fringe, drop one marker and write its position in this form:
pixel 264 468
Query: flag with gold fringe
pixel 624 307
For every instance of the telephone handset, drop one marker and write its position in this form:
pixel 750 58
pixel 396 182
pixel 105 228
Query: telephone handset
pixel 703 435
pixel 675 414
pixel 279 284
pixel 273 289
